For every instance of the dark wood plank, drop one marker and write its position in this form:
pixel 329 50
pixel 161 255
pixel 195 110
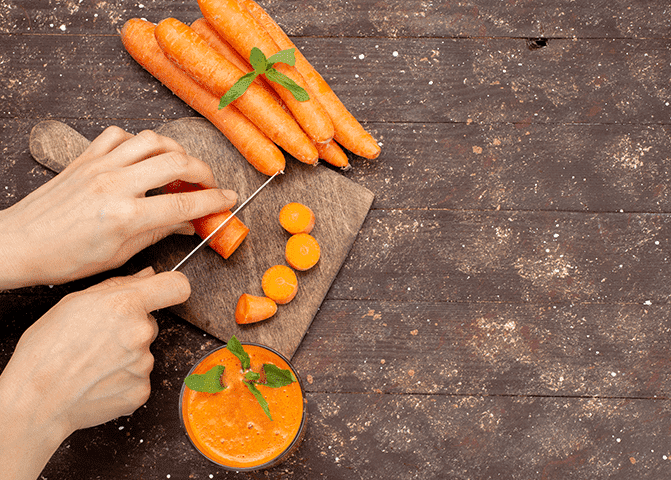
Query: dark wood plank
pixel 372 18
pixel 545 257
pixel 435 80
pixel 444 348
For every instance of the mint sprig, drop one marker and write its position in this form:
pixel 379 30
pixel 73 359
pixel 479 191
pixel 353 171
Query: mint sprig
pixel 265 66
pixel 272 377
pixel 209 382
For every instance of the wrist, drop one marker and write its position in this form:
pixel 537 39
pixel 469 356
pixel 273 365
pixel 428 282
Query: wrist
pixel 31 434
pixel 15 271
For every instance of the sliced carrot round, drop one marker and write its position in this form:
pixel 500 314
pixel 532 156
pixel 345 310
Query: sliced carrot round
pixel 302 251
pixel 252 308
pixel 280 284
pixel 297 218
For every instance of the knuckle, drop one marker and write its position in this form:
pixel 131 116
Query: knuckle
pixel 114 133
pixel 177 162
pixel 139 395
pixel 183 205
pixel 150 137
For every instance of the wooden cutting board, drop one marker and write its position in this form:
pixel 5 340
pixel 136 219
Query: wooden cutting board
pixel 339 204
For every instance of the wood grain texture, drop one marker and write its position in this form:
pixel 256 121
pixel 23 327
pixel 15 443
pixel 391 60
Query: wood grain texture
pixel 339 204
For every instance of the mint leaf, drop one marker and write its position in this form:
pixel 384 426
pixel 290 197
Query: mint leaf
pixel 259 398
pixel 209 382
pixel 276 377
pixel 235 347
pixel 253 376
pixel 238 88
pixel 298 92
pixel 258 60
pixel 285 56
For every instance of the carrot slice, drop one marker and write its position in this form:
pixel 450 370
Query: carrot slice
pixel 348 131
pixel 243 32
pixel 184 47
pixel 302 251
pixel 297 218
pixel 252 309
pixel 280 284
pixel 229 238
pixel 138 38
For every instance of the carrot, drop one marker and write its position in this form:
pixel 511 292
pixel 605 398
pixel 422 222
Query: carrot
pixel 333 154
pixel 302 251
pixel 297 218
pixel 138 38
pixel 203 28
pixel 243 32
pixel 184 47
pixel 252 309
pixel 348 131
pixel 231 235
pixel 280 284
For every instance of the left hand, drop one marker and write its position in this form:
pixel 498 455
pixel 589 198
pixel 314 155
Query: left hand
pixel 95 215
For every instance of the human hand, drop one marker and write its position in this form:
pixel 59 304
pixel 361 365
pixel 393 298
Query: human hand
pixel 95 215
pixel 85 362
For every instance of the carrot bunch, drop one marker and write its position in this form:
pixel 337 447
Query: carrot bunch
pixel 279 282
pixel 201 62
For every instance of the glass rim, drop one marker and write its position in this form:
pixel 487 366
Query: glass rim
pixel 282 455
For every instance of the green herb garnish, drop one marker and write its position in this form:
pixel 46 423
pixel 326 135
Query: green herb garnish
pixel 273 376
pixel 209 382
pixel 265 66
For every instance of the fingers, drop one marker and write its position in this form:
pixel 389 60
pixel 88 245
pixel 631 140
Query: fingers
pixel 162 169
pixel 104 143
pixel 170 210
pixel 142 146
pixel 162 290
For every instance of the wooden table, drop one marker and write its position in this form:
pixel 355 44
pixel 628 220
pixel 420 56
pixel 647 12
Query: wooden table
pixel 504 311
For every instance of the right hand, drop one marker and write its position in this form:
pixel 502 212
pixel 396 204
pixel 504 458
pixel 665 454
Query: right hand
pixel 85 362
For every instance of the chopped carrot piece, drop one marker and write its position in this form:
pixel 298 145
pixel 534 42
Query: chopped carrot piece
pixel 280 284
pixel 252 308
pixel 229 238
pixel 302 251
pixel 297 218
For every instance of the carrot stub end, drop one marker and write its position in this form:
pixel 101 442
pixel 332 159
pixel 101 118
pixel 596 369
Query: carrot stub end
pixel 252 308
pixel 302 251
pixel 297 218
pixel 229 238
pixel 280 284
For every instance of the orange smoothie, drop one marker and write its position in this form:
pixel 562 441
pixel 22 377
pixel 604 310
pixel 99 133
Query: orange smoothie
pixel 230 428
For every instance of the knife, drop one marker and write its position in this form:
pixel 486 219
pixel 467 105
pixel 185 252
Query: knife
pixel 206 241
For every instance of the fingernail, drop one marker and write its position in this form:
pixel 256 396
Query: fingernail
pixel 230 195
pixel 145 272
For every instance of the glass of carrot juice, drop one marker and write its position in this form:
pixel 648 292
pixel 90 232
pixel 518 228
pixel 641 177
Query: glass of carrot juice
pixel 231 427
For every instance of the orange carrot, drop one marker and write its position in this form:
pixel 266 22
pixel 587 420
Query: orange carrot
pixel 302 251
pixel 232 234
pixel 243 32
pixel 138 39
pixel 280 284
pixel 184 47
pixel 297 218
pixel 348 131
pixel 252 309
pixel 203 28
pixel 333 154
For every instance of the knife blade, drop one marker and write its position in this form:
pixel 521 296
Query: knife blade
pixel 206 241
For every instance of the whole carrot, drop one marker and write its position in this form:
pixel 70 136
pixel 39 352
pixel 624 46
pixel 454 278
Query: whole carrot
pixel 184 47
pixel 348 131
pixel 243 32
pixel 137 37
